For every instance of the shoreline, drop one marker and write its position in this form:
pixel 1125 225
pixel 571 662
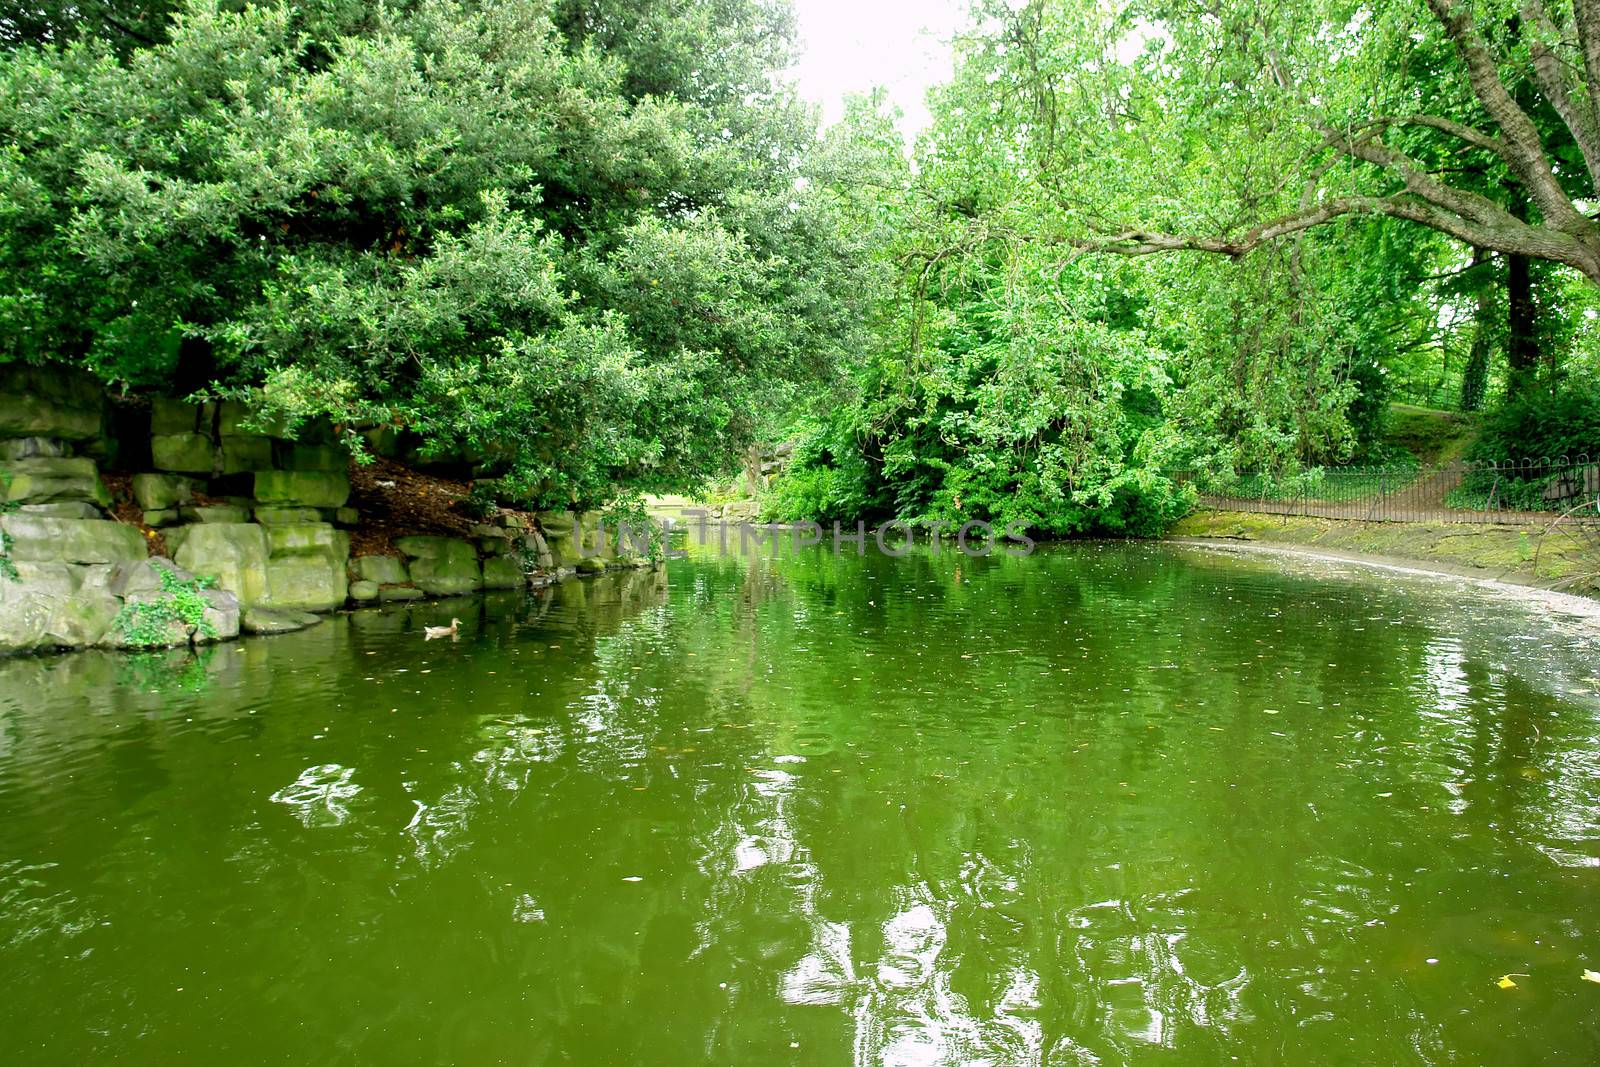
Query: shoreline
pixel 1521 588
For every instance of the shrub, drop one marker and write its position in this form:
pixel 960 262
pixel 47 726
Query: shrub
pixel 149 624
pixel 1543 424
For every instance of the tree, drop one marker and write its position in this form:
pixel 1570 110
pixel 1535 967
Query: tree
pixel 597 257
pixel 1314 112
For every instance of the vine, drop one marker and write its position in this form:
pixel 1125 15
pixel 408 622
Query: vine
pixel 149 623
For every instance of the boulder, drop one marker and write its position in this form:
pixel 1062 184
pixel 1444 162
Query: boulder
pixel 363 590
pixel 313 582
pixel 391 593
pixel 142 576
pixel 54 605
pixel 188 453
pixel 159 518
pixel 234 554
pixel 49 402
pixel 557 528
pixel 241 453
pixel 40 539
pixel 227 513
pixel 168 416
pixel 442 566
pixel 384 570
pixel 32 447
pixel 274 516
pixel 276 621
pixel 503 572
pixel 590 565
pixel 49 480
pixel 306 569
pixel 316 489
pixel 299 456
pixel 307 538
pixel 218 622
pixel 160 492
pixel 78 509
pixel 347 516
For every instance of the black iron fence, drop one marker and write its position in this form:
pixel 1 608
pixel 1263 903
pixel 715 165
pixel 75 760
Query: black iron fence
pixel 1528 492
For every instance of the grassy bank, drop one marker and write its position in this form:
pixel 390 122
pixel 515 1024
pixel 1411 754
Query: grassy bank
pixel 1504 553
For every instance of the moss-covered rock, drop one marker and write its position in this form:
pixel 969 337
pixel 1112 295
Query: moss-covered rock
pixel 55 605
pixel 49 402
pixel 241 454
pixel 169 416
pixel 301 456
pixel 31 447
pixel 275 516
pixel 234 554
pixel 363 591
pixel 442 566
pixel 75 509
pixel 393 593
pixel 39 539
pixel 307 538
pixel 314 489
pixel 503 572
pixel 160 492
pixel 185 453
pixel 50 479
pixel 228 513
pixel 384 570
pixel 276 621
pixel 312 582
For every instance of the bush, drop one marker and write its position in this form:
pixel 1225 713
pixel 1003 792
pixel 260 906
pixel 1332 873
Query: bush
pixel 182 601
pixel 1543 424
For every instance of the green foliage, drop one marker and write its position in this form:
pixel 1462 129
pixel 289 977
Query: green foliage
pixel 482 499
pixel 598 236
pixel 179 612
pixel 8 568
pixel 1543 424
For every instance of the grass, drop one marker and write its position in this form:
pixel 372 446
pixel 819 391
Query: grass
pixel 1431 435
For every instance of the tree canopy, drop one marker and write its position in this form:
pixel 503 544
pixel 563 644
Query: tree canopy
pixel 596 235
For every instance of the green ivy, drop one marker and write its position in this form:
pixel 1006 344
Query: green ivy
pixel 8 568
pixel 149 624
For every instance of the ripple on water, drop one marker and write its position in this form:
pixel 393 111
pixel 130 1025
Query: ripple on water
pixel 320 796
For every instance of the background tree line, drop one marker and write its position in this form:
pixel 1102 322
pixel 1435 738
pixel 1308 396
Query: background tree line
pixel 604 237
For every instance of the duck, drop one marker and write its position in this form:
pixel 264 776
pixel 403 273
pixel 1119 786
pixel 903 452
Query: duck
pixel 430 632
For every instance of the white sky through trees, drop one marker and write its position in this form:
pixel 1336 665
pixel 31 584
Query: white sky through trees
pixel 849 46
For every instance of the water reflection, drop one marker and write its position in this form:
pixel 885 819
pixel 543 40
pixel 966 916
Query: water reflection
pixel 1109 804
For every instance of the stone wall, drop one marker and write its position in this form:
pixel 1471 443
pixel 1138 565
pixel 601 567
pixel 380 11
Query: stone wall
pixel 264 518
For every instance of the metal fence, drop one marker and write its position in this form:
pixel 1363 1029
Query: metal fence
pixel 1530 492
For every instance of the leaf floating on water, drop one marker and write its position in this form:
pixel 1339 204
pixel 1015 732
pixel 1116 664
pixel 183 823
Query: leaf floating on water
pixel 1591 976
pixel 1505 982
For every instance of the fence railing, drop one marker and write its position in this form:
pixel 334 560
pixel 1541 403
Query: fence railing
pixel 1530 492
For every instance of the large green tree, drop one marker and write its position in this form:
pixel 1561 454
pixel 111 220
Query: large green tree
pixel 586 235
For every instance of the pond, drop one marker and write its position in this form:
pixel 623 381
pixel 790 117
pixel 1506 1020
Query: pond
pixel 1112 803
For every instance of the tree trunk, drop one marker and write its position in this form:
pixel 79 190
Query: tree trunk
pixel 1475 377
pixel 1522 342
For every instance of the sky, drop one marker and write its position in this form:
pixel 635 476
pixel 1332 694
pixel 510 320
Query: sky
pixel 852 45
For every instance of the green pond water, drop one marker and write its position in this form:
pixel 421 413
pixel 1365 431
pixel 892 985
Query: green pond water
pixel 1107 804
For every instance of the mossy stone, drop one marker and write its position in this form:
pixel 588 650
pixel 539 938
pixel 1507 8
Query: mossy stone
pixel 314 489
